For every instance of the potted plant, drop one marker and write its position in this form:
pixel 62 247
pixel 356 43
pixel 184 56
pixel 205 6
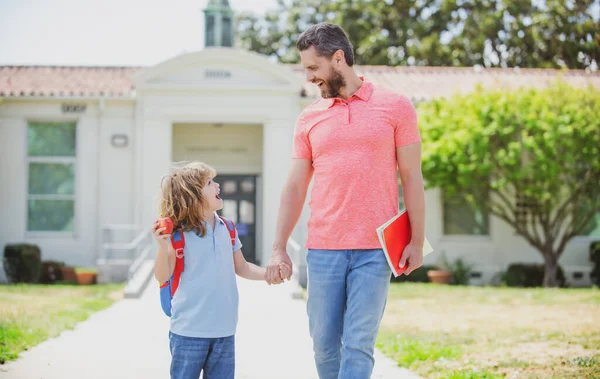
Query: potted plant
pixel 68 273
pixel 85 276
pixel 461 272
pixel 443 273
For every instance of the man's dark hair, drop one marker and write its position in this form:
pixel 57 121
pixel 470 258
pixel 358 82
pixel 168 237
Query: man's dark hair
pixel 327 39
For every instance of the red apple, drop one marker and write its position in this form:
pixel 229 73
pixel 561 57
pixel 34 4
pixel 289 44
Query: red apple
pixel 165 223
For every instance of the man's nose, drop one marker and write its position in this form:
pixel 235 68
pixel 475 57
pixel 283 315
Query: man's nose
pixel 309 76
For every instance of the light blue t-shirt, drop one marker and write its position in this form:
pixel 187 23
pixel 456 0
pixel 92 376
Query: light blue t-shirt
pixel 206 302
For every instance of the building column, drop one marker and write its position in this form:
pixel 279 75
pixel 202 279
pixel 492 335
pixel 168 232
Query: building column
pixel 277 149
pixel 156 161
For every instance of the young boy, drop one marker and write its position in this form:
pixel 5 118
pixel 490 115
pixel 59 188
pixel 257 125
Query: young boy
pixel 205 305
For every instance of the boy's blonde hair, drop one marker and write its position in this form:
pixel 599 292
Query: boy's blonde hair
pixel 182 198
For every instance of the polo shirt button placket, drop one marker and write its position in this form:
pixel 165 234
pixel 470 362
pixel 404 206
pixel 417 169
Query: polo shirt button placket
pixel 347 112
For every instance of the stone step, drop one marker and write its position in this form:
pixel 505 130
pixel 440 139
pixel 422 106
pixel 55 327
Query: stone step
pixel 137 284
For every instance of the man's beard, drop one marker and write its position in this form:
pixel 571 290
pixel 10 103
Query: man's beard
pixel 333 84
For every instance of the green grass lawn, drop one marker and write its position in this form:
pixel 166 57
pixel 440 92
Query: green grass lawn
pixel 30 314
pixel 459 332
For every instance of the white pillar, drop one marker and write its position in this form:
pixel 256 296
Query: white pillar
pixel 277 149
pixel 156 162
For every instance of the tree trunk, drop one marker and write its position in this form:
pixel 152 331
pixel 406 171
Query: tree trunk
pixel 550 270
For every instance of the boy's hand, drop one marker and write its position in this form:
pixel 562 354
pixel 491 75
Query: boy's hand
pixel 164 240
pixel 284 271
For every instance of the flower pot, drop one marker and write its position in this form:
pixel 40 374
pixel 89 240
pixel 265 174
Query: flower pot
pixel 439 276
pixel 68 273
pixel 85 278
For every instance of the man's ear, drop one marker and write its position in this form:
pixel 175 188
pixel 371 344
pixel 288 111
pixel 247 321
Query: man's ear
pixel 339 57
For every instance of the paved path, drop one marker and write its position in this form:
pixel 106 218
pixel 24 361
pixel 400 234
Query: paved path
pixel 130 340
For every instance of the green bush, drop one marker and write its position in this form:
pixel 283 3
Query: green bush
pixel 529 275
pixel 461 272
pixel 460 269
pixel 51 272
pixel 419 275
pixel 22 263
pixel 595 258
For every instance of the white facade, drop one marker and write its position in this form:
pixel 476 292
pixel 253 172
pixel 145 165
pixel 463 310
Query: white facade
pixel 232 109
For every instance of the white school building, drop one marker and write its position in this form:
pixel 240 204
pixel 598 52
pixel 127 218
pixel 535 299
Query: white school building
pixel 83 150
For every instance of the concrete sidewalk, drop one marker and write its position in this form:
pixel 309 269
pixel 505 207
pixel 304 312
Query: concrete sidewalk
pixel 130 340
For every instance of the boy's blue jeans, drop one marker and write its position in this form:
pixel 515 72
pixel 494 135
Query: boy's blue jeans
pixel 190 356
pixel 347 293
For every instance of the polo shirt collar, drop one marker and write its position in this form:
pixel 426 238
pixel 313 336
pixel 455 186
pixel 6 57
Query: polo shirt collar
pixel 219 220
pixel 364 92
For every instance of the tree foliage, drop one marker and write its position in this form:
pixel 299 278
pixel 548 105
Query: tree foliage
pixel 490 33
pixel 529 156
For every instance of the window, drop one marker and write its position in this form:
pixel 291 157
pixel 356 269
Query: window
pixel 51 189
pixel 592 229
pixel 227 35
pixel 524 205
pixel 210 30
pixel 462 218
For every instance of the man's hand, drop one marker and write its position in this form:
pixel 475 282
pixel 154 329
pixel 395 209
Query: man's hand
pixel 273 267
pixel 412 257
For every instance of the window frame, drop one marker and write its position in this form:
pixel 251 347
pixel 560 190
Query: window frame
pixel 51 159
pixel 461 237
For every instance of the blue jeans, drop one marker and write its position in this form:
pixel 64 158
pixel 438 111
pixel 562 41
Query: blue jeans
pixel 190 356
pixel 347 293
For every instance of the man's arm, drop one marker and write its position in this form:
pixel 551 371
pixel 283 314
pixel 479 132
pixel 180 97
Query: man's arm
pixel 409 165
pixel 292 200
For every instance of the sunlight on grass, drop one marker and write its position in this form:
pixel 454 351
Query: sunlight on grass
pixel 406 351
pixel 463 332
pixel 30 314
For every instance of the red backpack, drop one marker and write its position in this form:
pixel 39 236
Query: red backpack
pixel 168 288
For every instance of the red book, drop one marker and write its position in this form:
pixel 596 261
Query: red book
pixel 394 236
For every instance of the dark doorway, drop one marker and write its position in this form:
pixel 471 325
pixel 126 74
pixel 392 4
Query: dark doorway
pixel 239 205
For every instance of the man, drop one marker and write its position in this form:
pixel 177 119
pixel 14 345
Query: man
pixel 353 141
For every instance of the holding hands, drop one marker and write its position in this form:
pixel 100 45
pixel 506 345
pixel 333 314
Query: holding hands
pixel 277 271
pixel 279 267
pixel 285 271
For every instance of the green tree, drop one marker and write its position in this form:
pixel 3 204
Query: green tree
pixel 491 33
pixel 529 156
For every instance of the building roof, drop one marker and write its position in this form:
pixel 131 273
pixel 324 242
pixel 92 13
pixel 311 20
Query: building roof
pixel 66 81
pixel 424 83
pixel 419 83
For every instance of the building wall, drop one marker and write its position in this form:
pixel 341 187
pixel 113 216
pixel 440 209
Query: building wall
pixel 275 113
pixel 492 254
pixel 119 184
pixel 107 190
pixel 101 173
pixel 229 148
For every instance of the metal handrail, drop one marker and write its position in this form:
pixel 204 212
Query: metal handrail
pixel 138 249
pixel 125 246
pixel 137 263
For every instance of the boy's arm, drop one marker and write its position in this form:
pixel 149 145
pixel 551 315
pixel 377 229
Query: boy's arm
pixel 245 269
pixel 164 264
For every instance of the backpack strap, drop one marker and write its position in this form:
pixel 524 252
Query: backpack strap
pixel 231 228
pixel 178 242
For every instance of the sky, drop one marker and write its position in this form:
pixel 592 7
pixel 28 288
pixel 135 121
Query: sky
pixel 104 32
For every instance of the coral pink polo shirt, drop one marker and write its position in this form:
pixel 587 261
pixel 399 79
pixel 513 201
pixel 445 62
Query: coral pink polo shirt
pixel 352 145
